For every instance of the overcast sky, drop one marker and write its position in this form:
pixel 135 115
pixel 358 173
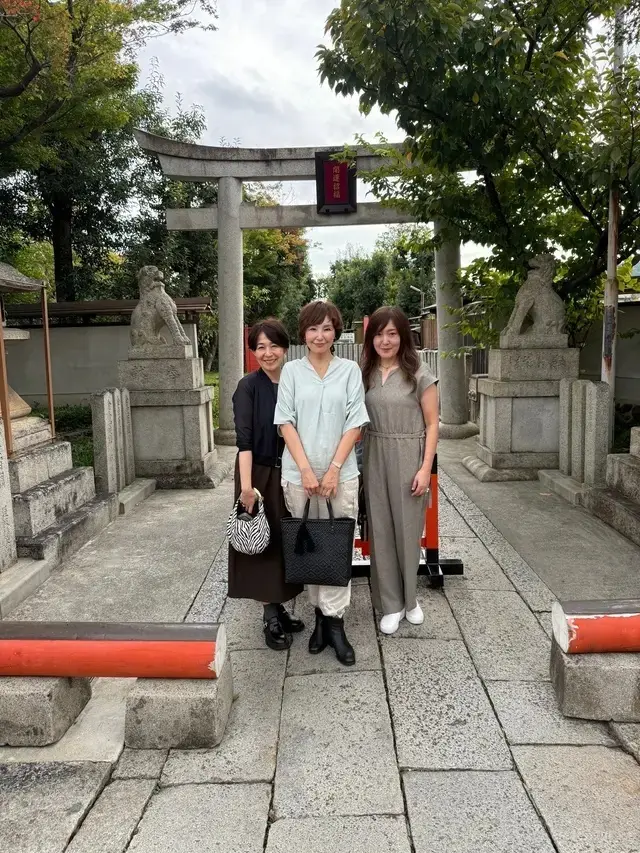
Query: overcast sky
pixel 257 79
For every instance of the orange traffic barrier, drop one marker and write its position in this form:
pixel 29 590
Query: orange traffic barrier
pixel 583 627
pixel 116 650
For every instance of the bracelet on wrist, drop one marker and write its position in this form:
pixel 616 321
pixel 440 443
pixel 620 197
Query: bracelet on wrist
pixel 335 464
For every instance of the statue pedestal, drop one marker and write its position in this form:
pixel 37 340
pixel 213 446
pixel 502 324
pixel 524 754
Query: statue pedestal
pixel 171 418
pixel 520 413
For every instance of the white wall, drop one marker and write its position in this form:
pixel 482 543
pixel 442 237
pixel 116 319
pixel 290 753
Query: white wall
pixel 627 355
pixel 84 359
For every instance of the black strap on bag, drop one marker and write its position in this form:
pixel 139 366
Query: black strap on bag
pixel 304 539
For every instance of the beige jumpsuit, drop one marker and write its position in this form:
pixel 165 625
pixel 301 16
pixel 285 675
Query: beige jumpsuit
pixel 393 453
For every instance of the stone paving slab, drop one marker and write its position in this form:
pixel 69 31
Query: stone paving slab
pixel 140 764
pixel 336 752
pixel 535 593
pixel 504 638
pixel 204 819
pixel 374 834
pixel 212 595
pixel 450 522
pixel 629 736
pixel 438 624
pixel 360 629
pixel 529 714
pixel 97 734
pixel 43 804
pixel 112 821
pixel 242 618
pixel 480 569
pixel 248 750
pixel 545 620
pixel 442 717
pixel 589 796
pixel 132 573
pixel 472 812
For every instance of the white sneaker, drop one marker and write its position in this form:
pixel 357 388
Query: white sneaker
pixel 390 623
pixel 415 616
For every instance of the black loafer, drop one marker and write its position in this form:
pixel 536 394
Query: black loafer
pixel 275 636
pixel 290 624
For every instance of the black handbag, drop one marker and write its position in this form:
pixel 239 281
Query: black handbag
pixel 318 550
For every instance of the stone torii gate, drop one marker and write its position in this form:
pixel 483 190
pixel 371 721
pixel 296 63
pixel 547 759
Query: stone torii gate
pixel 183 161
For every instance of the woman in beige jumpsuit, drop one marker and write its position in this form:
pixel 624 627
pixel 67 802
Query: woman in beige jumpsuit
pixel 400 444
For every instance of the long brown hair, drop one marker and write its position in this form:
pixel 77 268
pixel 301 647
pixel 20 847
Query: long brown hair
pixel 407 354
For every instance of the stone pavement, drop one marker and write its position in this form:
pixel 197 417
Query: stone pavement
pixel 444 738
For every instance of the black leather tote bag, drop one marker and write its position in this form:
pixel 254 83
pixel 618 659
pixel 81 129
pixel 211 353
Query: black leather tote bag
pixel 318 550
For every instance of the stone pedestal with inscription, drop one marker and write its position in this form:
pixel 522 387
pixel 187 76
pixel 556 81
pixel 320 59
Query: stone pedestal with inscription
pixel 8 552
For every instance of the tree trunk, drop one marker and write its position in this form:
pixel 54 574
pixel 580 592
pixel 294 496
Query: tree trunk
pixel 60 206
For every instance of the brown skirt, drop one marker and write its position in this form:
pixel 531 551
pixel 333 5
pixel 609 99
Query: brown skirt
pixel 261 577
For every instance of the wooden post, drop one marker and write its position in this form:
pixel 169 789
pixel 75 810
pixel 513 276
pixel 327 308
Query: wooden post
pixel 593 627
pixel 112 650
pixel 47 360
pixel 4 395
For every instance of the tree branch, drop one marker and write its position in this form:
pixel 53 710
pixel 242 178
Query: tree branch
pixel 18 88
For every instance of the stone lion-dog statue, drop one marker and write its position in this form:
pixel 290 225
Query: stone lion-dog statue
pixel 155 310
pixel 538 300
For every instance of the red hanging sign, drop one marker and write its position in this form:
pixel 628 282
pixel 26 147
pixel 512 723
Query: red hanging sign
pixel 335 185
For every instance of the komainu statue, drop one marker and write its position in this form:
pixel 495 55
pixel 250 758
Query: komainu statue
pixel 538 300
pixel 155 310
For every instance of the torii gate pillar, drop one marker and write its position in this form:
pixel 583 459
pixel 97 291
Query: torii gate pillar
pixel 230 302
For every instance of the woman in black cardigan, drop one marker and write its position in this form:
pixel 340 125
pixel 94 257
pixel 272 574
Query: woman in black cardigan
pixel 261 577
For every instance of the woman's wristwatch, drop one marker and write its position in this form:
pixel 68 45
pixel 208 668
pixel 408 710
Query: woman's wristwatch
pixel 335 464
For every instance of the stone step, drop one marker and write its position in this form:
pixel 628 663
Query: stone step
pixel 20 581
pixel 71 532
pixel 614 509
pixel 623 475
pixel 634 448
pixel 30 432
pixel 41 506
pixel 33 466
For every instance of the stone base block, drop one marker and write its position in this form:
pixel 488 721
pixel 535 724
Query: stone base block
pixel 30 432
pixel 32 467
pixel 486 474
pixel 519 388
pixel 188 475
pixel 533 364
pixel 529 340
pixel 614 509
pixel 161 374
pixel 134 494
pixel 457 431
pixel 634 448
pixel 20 581
pixel 171 432
pixel 226 437
pixel 564 486
pixel 597 687
pixel 154 352
pixel 194 397
pixel 534 461
pixel 178 713
pixel 38 711
pixel 41 506
pixel 623 474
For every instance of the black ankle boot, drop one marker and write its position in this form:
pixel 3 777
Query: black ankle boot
pixel 275 636
pixel 318 640
pixel 291 624
pixel 334 628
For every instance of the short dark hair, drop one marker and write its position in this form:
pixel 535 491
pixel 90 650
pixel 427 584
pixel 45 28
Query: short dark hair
pixel 272 329
pixel 315 312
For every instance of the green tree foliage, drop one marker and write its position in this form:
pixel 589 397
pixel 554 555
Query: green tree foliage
pixel 66 69
pixel 402 260
pixel 511 117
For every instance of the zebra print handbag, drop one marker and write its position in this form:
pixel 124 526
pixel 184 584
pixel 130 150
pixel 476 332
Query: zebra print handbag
pixel 249 534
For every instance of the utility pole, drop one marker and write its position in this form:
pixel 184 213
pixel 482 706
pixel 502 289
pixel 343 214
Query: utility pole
pixel 610 318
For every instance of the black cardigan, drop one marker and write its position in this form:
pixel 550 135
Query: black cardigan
pixel 254 405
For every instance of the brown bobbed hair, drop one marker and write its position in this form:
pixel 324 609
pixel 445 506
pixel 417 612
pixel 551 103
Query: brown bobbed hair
pixel 314 314
pixel 407 354
pixel 272 329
